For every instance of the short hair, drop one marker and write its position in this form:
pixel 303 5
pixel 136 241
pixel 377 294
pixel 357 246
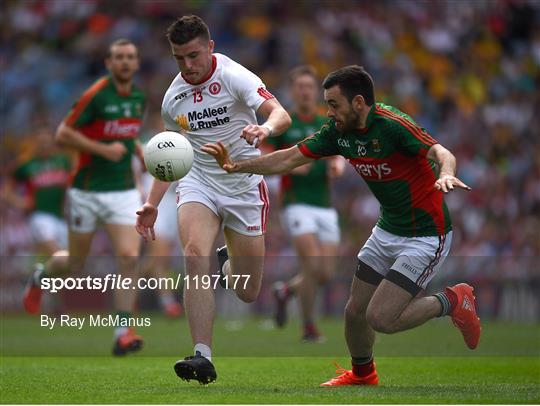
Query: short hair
pixel 119 42
pixel 187 28
pixel 352 80
pixel 302 70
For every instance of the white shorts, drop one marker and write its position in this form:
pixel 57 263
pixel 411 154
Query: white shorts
pixel 246 213
pixel 86 209
pixel 48 227
pixel 302 219
pixel 416 258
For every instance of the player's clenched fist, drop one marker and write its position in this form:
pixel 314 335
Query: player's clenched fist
pixel 255 134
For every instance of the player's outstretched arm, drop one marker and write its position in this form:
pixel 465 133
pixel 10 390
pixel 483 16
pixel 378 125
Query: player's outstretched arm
pixel 447 169
pixel 67 136
pixel 282 161
pixel 147 214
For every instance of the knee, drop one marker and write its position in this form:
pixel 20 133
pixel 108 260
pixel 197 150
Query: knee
pixel 379 322
pixel 60 262
pixel 192 250
pixel 247 296
pixel 250 293
pixel 128 256
pixel 354 310
pixel 324 277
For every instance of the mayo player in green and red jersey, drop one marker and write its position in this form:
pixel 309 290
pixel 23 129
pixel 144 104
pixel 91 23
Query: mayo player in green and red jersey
pixel 103 127
pixel 307 212
pixel 408 172
pixel 45 177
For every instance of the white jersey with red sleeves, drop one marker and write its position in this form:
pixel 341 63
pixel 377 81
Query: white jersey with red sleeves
pixel 217 109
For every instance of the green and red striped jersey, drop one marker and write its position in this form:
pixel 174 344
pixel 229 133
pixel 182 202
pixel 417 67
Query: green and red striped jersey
pixel 311 188
pixel 390 154
pixel 46 180
pixel 105 115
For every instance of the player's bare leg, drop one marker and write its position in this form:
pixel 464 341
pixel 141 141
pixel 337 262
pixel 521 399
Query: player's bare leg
pixel 317 260
pixel 246 261
pixel 359 334
pixel 60 264
pixel 393 309
pixel 360 338
pixel 199 227
pixel 48 247
pixel 126 244
pixel 156 264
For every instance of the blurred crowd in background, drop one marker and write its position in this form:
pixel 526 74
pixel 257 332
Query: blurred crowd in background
pixel 467 71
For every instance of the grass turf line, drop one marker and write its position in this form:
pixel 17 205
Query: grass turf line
pixel 256 365
pixel 268 380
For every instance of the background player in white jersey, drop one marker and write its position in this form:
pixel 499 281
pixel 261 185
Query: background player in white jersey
pixel 214 98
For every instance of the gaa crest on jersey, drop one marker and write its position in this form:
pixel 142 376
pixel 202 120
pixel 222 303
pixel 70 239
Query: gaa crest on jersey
pixel 214 88
pixel 375 144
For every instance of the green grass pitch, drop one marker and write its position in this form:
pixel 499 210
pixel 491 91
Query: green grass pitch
pixel 256 364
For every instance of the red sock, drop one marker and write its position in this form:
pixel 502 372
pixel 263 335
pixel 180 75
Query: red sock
pixel 452 298
pixel 363 370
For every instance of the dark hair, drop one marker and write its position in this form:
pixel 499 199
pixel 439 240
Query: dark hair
pixel 187 28
pixel 119 42
pixel 352 80
pixel 302 70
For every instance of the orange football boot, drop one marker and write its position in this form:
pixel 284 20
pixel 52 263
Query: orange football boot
pixel 173 310
pixel 347 378
pixel 32 292
pixel 127 342
pixel 464 314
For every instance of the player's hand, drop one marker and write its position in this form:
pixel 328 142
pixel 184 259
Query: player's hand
pixel 446 183
pixel 221 155
pixel 255 134
pixel 336 166
pixel 114 151
pixel 146 217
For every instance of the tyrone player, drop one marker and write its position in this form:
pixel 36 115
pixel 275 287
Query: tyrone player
pixel 307 212
pixel 103 127
pixel 214 98
pixel 408 172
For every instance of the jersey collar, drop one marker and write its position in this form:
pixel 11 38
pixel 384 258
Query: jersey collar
pixel 118 92
pixel 214 66
pixel 369 120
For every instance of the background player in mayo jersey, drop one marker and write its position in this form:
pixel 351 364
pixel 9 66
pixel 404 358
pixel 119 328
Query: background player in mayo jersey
pixel 45 176
pixel 307 214
pixel 408 172
pixel 214 98
pixel 103 126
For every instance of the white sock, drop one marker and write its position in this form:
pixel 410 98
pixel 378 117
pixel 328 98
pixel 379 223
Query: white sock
pixel 38 274
pixel 118 331
pixel 226 268
pixel 166 299
pixel 205 351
